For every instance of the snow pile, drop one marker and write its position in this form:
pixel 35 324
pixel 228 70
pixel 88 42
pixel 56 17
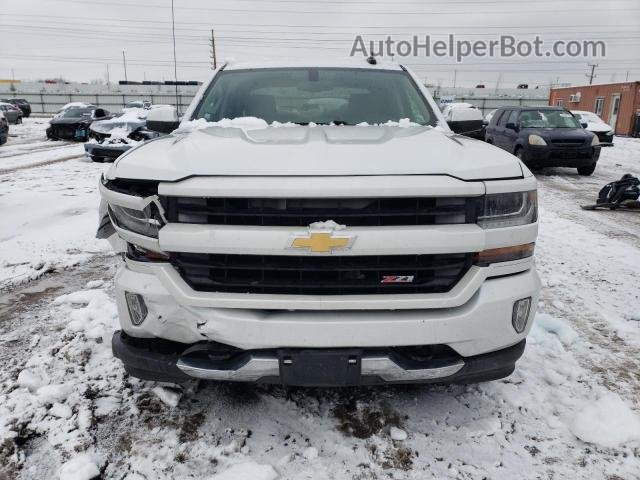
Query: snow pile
pixel 247 471
pixel 253 123
pixel 327 225
pixel 564 332
pixel 80 467
pixel 50 215
pixel 245 123
pixel 608 422
pixel 402 123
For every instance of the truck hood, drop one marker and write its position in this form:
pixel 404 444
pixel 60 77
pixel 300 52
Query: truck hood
pixel 315 150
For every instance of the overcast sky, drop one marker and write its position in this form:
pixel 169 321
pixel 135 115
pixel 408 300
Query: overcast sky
pixel 78 39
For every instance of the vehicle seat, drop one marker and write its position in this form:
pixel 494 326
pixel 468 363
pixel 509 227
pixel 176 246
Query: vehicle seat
pixel 261 106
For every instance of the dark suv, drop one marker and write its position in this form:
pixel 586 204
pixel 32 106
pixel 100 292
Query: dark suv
pixel 544 137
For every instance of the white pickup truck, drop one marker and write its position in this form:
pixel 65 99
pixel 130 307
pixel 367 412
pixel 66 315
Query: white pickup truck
pixel 319 224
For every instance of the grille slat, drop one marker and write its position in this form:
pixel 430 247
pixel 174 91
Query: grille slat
pixel 302 212
pixel 320 275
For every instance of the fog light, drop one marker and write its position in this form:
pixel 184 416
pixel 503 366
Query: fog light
pixel 521 314
pixel 137 307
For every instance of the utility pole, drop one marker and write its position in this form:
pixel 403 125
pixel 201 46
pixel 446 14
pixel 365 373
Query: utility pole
pixel 214 62
pixel 107 65
pixel 175 63
pixel 455 76
pixel 498 83
pixel 627 78
pixel 124 62
pixel 591 75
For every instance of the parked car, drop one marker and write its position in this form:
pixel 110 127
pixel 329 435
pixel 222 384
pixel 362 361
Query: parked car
pixel 108 139
pixel 595 124
pixel 4 129
pixel 138 104
pixel 464 118
pixel 73 123
pixel 544 137
pixel 360 245
pixel 74 105
pixel 12 113
pixel 21 103
pixel 485 122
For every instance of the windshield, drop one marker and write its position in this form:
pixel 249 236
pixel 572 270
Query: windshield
pixel 77 112
pixel 589 117
pixel 548 119
pixel 318 95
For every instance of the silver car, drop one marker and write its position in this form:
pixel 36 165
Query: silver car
pixel 12 113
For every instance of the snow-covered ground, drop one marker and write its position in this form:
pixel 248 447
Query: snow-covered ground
pixel 571 409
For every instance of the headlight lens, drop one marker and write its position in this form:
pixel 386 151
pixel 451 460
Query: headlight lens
pixel 146 222
pixel 594 141
pixel 509 209
pixel 536 140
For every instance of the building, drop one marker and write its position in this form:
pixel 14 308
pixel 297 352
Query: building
pixel 618 104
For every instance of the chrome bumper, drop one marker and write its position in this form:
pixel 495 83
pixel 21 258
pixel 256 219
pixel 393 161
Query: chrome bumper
pixel 257 368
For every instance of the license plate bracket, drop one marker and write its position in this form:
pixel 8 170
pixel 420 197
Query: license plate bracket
pixel 318 367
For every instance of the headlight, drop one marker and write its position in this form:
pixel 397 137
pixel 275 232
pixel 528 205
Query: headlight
pixel 144 222
pixel 610 132
pixel 509 209
pixel 594 141
pixel 536 140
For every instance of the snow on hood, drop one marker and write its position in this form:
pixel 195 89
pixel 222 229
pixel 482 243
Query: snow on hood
pixel 319 150
pixel 253 123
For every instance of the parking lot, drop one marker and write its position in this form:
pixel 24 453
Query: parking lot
pixel 568 411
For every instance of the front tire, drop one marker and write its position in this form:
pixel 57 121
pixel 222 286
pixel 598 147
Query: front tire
pixel 587 170
pixel 18 120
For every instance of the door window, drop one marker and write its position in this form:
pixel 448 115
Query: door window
pixel 599 107
pixel 513 118
pixel 503 119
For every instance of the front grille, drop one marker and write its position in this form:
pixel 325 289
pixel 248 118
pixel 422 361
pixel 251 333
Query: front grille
pixel 62 131
pixel 320 275
pixel 300 212
pixel 568 154
pixel 569 142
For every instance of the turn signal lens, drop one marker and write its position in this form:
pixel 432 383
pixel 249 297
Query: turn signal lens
pixel 504 254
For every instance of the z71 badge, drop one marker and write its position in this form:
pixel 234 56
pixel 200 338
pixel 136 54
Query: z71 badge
pixel 397 279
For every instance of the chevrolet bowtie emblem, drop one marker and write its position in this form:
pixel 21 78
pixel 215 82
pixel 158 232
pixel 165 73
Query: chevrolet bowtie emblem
pixel 322 242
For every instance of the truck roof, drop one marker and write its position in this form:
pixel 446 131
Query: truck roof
pixel 310 63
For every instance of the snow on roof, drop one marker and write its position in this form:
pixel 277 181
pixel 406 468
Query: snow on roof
pixel 312 62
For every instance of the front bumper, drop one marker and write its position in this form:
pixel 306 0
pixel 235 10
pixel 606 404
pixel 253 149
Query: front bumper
pixel 473 320
pixel 556 156
pixel 159 361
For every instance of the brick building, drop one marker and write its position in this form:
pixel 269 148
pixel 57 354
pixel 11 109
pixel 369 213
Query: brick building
pixel 618 104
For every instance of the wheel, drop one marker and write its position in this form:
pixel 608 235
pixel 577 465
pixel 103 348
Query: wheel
pixel 18 120
pixel 588 170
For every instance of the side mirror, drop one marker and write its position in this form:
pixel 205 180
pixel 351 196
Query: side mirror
pixel 485 122
pixel 584 124
pixel 512 126
pixel 163 119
